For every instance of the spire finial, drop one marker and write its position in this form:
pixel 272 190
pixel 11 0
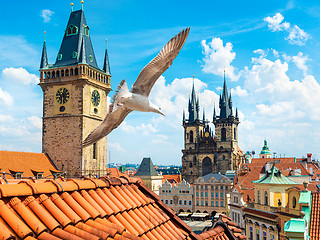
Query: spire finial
pixel 82 5
pixel 45 35
pixel 71 6
pixel 106 43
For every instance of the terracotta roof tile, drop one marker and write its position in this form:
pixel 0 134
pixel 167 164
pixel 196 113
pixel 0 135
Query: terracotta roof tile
pixel 25 162
pixel 106 208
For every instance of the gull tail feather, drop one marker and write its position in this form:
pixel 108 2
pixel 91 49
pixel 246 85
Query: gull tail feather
pixel 122 90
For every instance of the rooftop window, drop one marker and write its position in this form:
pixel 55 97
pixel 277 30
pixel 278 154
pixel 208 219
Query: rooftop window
pixel 72 30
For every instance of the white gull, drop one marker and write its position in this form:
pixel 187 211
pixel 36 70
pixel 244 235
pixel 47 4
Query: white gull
pixel 125 101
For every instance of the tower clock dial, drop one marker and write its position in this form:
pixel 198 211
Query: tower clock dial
pixel 62 95
pixel 95 98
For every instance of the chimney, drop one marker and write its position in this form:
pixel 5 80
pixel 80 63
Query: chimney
pixel 309 157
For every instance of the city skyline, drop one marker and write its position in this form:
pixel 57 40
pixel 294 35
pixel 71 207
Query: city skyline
pixel 269 56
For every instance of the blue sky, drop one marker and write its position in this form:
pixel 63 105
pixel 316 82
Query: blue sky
pixel 269 51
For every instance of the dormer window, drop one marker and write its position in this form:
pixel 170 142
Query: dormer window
pixel 59 56
pixel 72 30
pixel 74 55
pixel 86 31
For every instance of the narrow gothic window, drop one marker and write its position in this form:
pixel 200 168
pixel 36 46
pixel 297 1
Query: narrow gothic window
pixel 266 198
pixel 191 136
pixel 235 134
pixel 223 134
pixel 258 200
pixel 94 151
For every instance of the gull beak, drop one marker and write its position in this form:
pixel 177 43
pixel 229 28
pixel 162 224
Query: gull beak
pixel 160 112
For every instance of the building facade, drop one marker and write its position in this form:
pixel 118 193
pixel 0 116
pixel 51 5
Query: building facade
pixel 210 193
pixel 177 196
pixel 206 151
pixel 75 93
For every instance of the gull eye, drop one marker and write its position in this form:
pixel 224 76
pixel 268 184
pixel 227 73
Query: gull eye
pixel 160 108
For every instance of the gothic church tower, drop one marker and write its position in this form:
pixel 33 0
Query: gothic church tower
pixel 205 152
pixel 75 93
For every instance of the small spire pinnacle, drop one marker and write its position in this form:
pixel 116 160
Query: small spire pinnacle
pixel 204 115
pixel 106 64
pixel 237 112
pixel 106 43
pixel 45 35
pixel 184 116
pixel 71 6
pixel 82 5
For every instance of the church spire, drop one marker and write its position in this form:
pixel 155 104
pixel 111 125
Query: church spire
pixel 225 103
pixel 183 116
pixel 214 112
pixel 76 41
pixel 204 115
pixel 193 106
pixel 44 57
pixel 106 65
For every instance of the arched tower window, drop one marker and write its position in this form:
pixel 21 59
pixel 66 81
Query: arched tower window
pixel 86 31
pixel 258 198
pixel 235 133
pixel 72 30
pixel 223 134
pixel 294 202
pixel 191 136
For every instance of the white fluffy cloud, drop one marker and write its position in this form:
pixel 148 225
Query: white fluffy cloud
pixel 218 58
pixel 275 23
pixel 116 146
pixel 46 14
pixel 19 75
pixel 297 36
pixel 5 98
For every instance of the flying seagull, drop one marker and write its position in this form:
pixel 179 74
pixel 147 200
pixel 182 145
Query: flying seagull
pixel 125 101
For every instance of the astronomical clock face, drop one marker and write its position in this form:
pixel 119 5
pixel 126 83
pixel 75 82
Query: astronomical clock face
pixel 95 98
pixel 206 134
pixel 62 95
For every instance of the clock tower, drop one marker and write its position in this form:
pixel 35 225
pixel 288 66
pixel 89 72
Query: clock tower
pixel 75 94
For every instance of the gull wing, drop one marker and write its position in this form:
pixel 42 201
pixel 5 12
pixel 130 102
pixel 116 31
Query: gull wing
pixel 150 73
pixel 111 121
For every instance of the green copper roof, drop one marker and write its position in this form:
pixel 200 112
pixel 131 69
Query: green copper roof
pixel 76 46
pixel 295 225
pixel 146 168
pixel 265 148
pixel 274 176
pixel 305 197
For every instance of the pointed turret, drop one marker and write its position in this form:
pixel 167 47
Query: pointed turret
pixel 44 57
pixel 106 65
pixel 237 112
pixel 76 46
pixel 183 116
pixel 204 115
pixel 225 103
pixel 193 106
pixel 214 112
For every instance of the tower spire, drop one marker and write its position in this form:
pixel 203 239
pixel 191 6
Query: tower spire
pixel 82 5
pixel 214 112
pixel 44 57
pixel 71 6
pixel 204 115
pixel 183 116
pixel 106 65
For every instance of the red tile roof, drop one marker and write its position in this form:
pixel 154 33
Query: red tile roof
pixel 105 208
pixel 171 178
pixel 314 232
pixel 26 162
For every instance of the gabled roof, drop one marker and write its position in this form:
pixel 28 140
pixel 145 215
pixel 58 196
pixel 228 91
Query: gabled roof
pixel 26 163
pixel 78 42
pixel 105 208
pixel 274 176
pixel 216 176
pixel 146 168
